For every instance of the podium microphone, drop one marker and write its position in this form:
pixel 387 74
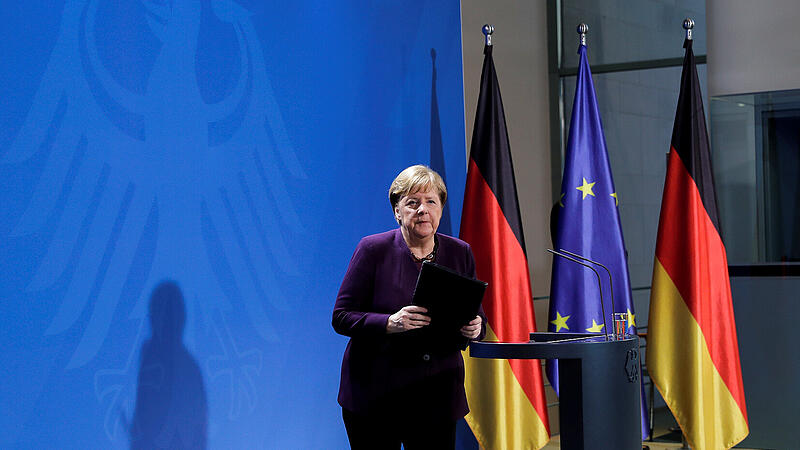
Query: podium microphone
pixel 610 283
pixel 599 285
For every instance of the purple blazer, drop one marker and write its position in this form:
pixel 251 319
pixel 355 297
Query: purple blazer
pixel 379 281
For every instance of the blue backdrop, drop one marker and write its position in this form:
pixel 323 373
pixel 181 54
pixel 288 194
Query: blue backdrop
pixel 182 184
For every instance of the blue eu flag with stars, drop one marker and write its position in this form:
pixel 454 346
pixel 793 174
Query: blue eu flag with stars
pixel 587 223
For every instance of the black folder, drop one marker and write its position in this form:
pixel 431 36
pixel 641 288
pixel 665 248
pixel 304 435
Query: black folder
pixel 452 301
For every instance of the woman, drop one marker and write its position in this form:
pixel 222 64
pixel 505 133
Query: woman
pixel 395 386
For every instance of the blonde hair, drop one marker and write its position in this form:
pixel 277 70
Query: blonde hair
pixel 414 179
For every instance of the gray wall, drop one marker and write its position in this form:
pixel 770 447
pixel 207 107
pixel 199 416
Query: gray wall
pixel 766 311
pixel 753 46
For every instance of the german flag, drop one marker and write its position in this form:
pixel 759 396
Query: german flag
pixel 692 352
pixel 506 397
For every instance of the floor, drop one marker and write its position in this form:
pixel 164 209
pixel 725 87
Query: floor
pixel 666 434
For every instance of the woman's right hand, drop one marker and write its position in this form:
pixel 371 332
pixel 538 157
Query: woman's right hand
pixel 408 318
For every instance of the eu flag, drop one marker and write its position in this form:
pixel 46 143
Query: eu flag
pixel 588 224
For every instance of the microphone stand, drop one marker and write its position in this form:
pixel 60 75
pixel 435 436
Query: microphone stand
pixel 610 283
pixel 599 285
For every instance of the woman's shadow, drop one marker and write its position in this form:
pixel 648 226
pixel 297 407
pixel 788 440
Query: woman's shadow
pixel 171 408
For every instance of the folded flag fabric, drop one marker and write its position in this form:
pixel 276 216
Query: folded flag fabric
pixel 506 397
pixel 692 351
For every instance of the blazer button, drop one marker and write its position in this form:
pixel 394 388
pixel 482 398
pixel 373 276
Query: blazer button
pixel 426 357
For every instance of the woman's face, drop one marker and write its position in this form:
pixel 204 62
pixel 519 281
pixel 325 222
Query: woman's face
pixel 419 213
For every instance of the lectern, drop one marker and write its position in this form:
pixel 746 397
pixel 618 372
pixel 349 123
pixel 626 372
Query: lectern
pixel 598 383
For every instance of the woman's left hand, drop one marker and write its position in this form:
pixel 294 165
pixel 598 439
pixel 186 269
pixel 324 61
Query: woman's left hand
pixel 472 329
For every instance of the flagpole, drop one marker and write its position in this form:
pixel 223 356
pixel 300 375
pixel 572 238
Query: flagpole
pixel 688 24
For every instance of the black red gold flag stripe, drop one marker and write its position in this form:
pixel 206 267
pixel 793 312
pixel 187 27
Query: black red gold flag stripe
pixel 506 397
pixel 692 350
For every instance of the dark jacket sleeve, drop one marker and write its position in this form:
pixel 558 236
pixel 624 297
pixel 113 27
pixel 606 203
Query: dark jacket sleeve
pixel 351 313
pixel 473 274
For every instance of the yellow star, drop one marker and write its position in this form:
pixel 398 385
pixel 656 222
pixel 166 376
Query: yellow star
pixel 595 328
pixel 586 188
pixel 560 322
pixel 560 200
pixel 616 200
pixel 631 318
